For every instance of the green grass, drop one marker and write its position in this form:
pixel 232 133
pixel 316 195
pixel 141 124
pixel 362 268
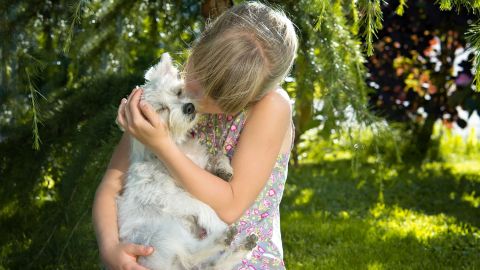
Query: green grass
pixel 403 217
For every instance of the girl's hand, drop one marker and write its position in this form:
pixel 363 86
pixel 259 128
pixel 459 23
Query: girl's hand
pixel 124 256
pixel 140 120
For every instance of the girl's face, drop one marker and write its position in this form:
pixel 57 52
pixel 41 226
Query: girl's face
pixel 204 104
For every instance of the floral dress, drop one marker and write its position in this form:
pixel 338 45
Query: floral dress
pixel 220 132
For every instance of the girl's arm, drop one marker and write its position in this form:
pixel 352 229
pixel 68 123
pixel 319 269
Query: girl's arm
pixel 114 254
pixel 253 161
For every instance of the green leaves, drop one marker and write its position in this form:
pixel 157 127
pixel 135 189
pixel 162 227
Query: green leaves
pixel 445 4
pixel 401 7
pixel 473 37
pixel 371 17
pixel 471 5
pixel 321 16
pixel 76 19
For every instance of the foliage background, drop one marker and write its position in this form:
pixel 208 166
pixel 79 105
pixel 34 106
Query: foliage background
pixel 356 194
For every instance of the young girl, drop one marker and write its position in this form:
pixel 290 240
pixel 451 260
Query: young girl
pixel 234 72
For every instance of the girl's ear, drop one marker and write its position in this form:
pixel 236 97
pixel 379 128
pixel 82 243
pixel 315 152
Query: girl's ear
pixel 162 68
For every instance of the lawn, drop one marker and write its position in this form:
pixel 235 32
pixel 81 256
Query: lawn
pixel 415 215
pixel 422 216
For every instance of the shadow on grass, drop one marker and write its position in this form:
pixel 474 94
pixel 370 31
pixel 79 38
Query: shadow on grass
pixel 322 241
pixel 401 218
pixel 46 200
pixel 46 196
pixel 332 186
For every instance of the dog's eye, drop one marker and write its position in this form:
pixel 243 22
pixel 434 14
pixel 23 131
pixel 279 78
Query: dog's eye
pixel 179 93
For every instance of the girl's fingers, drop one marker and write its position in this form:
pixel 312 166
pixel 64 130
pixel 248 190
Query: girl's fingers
pixel 125 116
pixel 121 115
pixel 133 106
pixel 133 265
pixel 138 250
pixel 130 111
pixel 139 267
pixel 133 92
pixel 128 115
pixel 149 113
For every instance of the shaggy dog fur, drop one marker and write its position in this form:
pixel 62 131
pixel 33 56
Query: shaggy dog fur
pixel 154 210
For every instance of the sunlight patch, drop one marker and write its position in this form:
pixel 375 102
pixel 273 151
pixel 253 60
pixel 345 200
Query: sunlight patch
pixel 9 209
pixel 465 167
pixel 304 197
pixel 295 215
pixel 471 199
pixel 45 189
pixel 374 266
pixel 401 222
pixel 338 155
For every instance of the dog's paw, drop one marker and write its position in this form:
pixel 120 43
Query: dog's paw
pixel 224 174
pixel 251 241
pixel 220 166
pixel 230 234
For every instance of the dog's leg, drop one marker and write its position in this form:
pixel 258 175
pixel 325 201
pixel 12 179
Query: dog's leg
pixel 231 232
pixel 228 260
pixel 210 249
pixel 218 254
pixel 250 242
pixel 220 166
pixel 232 256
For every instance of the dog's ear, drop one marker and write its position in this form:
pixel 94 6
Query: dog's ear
pixel 162 68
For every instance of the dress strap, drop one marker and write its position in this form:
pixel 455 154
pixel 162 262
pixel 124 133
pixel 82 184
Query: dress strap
pixel 240 118
pixel 293 135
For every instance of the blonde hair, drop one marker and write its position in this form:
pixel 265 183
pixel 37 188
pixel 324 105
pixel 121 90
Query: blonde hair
pixel 243 54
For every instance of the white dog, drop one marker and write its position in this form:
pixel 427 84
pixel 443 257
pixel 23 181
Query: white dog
pixel 153 210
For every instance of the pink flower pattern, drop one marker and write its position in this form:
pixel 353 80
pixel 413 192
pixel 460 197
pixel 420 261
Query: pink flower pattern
pixel 221 132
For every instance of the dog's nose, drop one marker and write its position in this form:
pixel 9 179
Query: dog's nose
pixel 188 108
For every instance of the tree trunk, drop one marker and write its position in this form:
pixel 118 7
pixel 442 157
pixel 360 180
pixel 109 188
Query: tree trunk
pixel 424 136
pixel 153 31
pixel 213 8
pixel 303 100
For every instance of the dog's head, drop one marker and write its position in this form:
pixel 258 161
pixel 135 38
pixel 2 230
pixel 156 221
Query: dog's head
pixel 164 90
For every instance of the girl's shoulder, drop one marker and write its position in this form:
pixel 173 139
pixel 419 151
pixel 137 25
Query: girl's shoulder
pixel 276 100
pixel 282 92
pixel 269 106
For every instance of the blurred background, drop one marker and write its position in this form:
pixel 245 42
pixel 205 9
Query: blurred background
pixel 385 173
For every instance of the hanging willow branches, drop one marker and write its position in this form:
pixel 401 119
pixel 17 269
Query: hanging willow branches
pixel 65 64
pixel 94 37
pixel 370 20
pixel 473 36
